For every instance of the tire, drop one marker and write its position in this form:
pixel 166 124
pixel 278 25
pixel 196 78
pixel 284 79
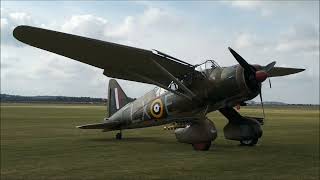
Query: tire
pixel 248 142
pixel 201 146
pixel 118 136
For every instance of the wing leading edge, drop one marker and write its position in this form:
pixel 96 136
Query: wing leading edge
pixel 118 61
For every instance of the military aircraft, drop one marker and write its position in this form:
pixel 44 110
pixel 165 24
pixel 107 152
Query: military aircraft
pixel 184 93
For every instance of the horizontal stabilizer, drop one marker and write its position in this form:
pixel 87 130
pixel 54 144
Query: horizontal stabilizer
pixel 105 125
pixel 283 71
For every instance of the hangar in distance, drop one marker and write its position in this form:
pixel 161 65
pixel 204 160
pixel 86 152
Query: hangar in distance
pixel 185 93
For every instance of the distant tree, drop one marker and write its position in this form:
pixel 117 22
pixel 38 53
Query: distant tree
pixel 60 99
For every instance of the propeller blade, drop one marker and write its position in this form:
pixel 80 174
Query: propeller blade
pixel 283 71
pixel 243 63
pixel 268 67
pixel 269 82
pixel 260 93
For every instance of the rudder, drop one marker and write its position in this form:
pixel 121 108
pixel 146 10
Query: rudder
pixel 116 97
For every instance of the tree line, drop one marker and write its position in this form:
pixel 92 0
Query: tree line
pixel 61 99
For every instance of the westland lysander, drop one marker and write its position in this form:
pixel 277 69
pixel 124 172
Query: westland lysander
pixel 185 94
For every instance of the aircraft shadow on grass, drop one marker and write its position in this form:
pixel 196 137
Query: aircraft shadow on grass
pixel 158 140
pixel 132 139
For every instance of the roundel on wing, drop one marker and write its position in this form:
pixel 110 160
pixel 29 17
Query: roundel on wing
pixel 156 108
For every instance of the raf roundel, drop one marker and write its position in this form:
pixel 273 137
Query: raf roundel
pixel 156 108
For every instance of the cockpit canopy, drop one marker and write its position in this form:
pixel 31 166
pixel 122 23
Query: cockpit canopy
pixel 208 64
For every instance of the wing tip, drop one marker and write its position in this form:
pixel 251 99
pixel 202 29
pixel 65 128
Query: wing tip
pixel 16 31
pixel 19 31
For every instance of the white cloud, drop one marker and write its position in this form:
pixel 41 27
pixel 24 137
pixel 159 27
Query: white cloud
pixel 152 16
pixel 302 38
pixel 4 23
pixel 244 41
pixel 122 30
pixel 246 4
pixel 299 39
pixel 9 20
pixel 297 45
pixel 20 16
pixel 86 25
pixel 265 8
pixel 275 8
pixel 43 73
pixel 40 72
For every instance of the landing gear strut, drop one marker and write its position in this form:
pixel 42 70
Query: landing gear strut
pixel 249 142
pixel 246 130
pixel 119 135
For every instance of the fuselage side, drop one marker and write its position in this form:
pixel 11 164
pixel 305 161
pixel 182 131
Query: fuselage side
pixel 222 87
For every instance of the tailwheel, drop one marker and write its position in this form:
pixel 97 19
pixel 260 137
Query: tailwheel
pixel 119 135
pixel 204 146
pixel 249 142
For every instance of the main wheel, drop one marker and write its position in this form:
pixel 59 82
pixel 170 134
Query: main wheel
pixel 119 136
pixel 249 142
pixel 201 146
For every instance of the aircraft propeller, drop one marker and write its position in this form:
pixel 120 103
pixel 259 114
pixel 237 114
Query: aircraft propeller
pixel 269 83
pixel 253 75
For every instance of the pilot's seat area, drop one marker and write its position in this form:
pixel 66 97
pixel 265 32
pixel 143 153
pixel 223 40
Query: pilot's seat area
pixel 207 66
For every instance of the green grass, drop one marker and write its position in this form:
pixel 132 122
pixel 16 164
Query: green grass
pixel 41 142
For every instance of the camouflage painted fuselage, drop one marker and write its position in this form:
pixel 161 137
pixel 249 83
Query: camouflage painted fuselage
pixel 222 87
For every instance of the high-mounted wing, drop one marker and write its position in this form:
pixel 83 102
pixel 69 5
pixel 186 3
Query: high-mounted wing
pixel 118 61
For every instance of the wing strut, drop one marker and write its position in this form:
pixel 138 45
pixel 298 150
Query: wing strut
pixel 161 85
pixel 175 80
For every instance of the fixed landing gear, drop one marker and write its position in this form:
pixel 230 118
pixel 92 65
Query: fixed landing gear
pixel 119 135
pixel 201 146
pixel 248 142
pixel 247 133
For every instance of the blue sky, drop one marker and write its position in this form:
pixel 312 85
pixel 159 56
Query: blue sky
pixel 261 31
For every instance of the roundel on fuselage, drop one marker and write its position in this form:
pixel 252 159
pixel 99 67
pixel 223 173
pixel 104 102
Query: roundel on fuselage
pixel 156 108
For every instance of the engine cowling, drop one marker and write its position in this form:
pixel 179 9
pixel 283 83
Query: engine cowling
pixel 198 134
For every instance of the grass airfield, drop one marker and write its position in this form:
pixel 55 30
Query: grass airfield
pixel 40 141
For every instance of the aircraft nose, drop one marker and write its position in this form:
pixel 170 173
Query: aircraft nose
pixel 261 76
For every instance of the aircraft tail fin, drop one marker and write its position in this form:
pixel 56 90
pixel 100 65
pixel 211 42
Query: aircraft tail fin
pixel 116 97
